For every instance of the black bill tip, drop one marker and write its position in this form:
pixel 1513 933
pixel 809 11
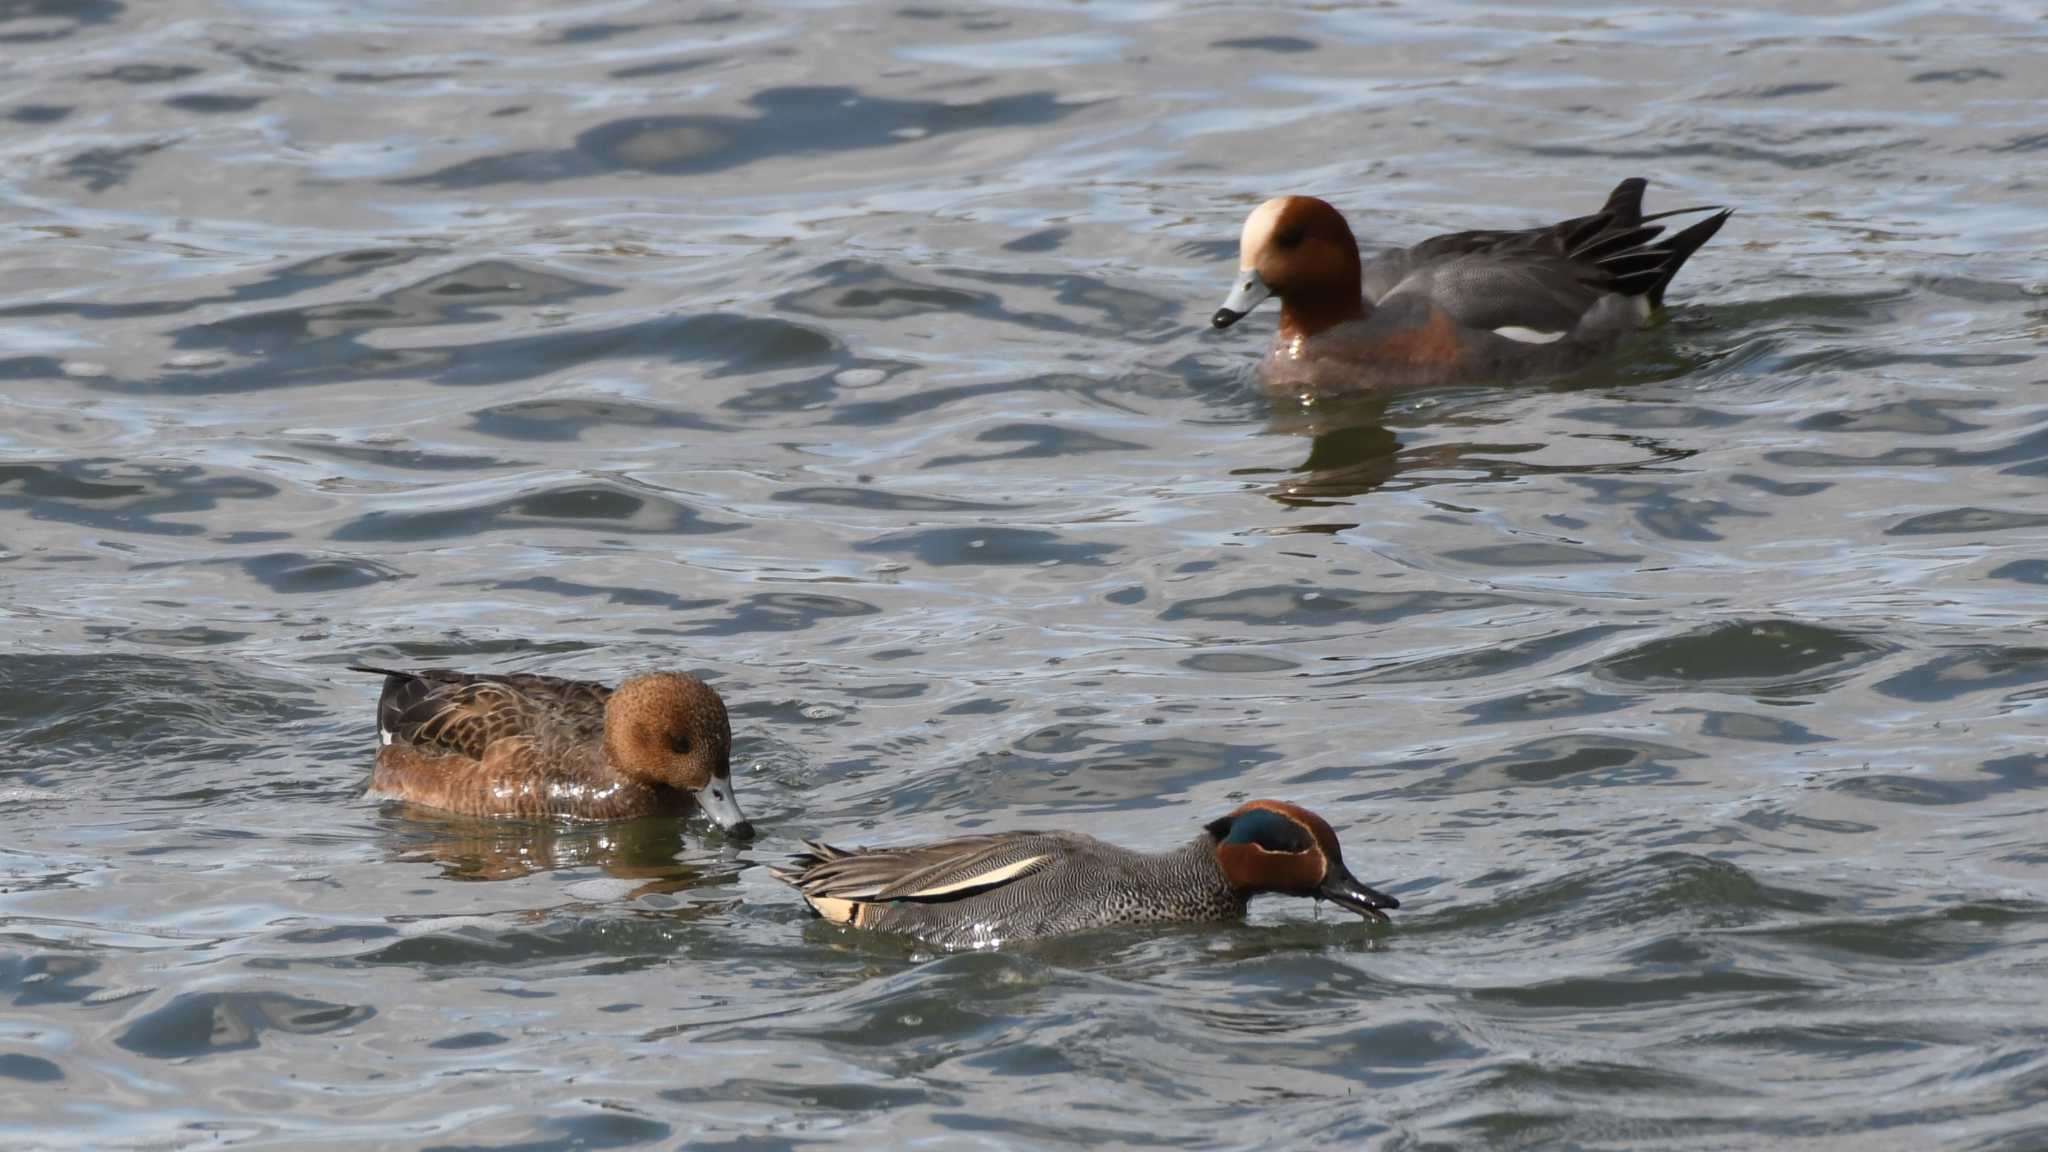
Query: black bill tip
pixel 1346 892
pixel 1224 318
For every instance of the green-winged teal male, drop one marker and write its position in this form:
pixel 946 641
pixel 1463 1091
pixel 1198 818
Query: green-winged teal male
pixel 540 747
pixel 983 891
pixel 1460 308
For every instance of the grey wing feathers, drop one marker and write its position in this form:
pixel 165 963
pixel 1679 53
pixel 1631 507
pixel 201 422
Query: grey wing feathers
pixel 1544 278
pixel 1544 293
pixel 464 713
pixel 943 870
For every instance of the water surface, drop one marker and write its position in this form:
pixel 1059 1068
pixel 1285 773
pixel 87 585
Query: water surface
pixel 854 357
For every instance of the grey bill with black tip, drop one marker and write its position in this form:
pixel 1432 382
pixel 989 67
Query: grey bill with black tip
pixel 1244 296
pixel 718 802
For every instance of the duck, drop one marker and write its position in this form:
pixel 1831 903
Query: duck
pixel 1467 307
pixel 979 892
pixel 542 747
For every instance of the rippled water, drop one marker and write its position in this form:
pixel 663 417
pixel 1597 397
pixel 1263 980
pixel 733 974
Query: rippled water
pixel 854 357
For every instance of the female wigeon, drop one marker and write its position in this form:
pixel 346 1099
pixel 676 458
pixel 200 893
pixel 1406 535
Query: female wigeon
pixel 542 747
pixel 980 891
pixel 1469 306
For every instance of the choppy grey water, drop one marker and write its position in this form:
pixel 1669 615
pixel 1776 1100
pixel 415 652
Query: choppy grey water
pixel 853 356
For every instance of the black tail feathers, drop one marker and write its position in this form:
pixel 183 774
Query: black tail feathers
pixel 1625 203
pixel 1679 247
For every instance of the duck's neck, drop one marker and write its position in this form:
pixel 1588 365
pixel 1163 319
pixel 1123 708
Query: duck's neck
pixel 1197 869
pixel 1302 319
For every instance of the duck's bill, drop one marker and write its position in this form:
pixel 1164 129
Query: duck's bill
pixel 1344 890
pixel 719 803
pixel 1243 297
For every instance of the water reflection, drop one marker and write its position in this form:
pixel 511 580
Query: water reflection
pixel 644 852
pixel 1356 445
pixel 1345 458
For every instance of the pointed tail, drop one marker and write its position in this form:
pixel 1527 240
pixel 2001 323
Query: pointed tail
pixel 401 690
pixel 1625 203
pixel 1680 246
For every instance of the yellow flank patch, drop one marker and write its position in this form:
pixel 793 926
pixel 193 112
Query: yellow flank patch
pixel 988 879
pixel 836 910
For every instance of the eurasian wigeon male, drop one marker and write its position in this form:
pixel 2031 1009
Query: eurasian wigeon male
pixel 540 747
pixel 1465 307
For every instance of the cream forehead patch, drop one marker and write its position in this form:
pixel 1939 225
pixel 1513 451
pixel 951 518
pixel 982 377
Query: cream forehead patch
pixel 1258 230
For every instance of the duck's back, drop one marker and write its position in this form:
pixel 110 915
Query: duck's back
pixel 462 713
pixel 519 745
pixel 1618 225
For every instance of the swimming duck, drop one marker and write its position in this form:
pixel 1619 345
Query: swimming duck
pixel 982 891
pixel 543 747
pixel 1464 307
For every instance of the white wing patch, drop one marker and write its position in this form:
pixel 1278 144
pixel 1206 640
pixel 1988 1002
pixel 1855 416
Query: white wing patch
pixel 1521 335
pixel 386 735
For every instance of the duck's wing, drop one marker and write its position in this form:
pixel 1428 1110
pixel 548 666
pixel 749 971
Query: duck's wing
pixel 1545 279
pixel 933 872
pixel 1622 212
pixel 1537 287
pixel 1620 216
pixel 462 713
pixel 1529 291
pixel 578 704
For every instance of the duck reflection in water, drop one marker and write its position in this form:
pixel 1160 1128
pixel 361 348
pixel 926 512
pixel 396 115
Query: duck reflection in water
pixel 1360 444
pixel 641 852
pixel 1353 451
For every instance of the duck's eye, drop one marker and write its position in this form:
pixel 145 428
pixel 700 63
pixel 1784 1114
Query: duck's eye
pixel 680 743
pixel 1292 237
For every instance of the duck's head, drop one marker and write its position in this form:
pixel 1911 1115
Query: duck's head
pixel 1274 846
pixel 668 728
pixel 1300 249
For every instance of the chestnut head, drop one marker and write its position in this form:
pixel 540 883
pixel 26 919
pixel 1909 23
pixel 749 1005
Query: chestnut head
pixel 670 728
pixel 1300 249
pixel 1274 846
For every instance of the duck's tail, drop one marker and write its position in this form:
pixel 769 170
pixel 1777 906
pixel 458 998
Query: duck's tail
pixel 1677 248
pixel 401 691
pixel 1625 204
pixel 1618 237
